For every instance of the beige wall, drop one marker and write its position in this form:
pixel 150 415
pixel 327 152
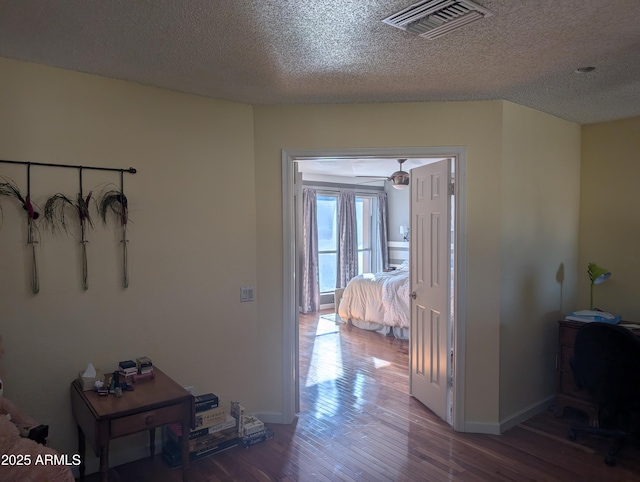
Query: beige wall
pixel 192 240
pixel 540 202
pixel 206 210
pixel 609 215
pixel 476 125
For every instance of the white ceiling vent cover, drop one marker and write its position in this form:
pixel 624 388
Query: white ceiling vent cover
pixel 434 18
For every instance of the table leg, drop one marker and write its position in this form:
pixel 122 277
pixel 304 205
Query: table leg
pixel 185 451
pixel 82 451
pixel 104 464
pixel 152 441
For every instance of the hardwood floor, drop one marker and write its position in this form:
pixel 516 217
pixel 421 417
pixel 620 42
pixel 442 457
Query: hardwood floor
pixel 358 423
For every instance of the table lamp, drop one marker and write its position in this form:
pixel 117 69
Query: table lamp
pixel 597 275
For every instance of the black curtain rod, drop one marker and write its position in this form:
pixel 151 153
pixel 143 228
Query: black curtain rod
pixel 131 170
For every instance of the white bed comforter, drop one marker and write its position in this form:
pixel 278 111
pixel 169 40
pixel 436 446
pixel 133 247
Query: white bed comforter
pixel 378 297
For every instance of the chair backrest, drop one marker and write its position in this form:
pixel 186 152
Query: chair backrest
pixel 606 363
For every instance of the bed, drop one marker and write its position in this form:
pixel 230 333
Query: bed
pixel 379 302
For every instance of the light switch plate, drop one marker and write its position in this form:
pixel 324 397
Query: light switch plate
pixel 246 294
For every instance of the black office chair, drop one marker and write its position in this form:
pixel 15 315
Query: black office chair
pixel 606 363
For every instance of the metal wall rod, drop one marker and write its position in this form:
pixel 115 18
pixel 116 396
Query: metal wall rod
pixel 131 170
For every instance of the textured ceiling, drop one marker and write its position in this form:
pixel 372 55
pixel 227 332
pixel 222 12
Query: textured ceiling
pixel 338 51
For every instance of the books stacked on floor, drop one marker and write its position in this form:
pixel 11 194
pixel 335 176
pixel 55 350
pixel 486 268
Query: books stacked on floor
pixel 254 431
pixel 237 411
pixel 210 417
pixel 255 438
pixel 144 365
pixel 200 447
pixel 208 401
pixel 216 430
pixel 251 424
pixel 127 368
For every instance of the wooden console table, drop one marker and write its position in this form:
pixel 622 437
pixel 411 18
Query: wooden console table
pixel 568 394
pixel 154 402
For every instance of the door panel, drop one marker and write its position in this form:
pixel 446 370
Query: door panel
pixel 429 308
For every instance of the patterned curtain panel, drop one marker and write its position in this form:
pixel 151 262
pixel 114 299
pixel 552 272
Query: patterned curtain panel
pixel 310 296
pixel 383 254
pixel 347 239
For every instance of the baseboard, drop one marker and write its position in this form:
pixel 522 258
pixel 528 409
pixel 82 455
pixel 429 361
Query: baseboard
pixel 272 417
pixel 485 428
pixel 526 413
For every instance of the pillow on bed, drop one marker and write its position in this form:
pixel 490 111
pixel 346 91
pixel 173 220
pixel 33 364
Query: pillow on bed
pixel 404 264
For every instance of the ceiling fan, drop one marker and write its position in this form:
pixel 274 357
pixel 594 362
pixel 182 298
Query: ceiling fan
pixel 400 179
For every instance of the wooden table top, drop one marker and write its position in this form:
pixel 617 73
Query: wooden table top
pixel 147 394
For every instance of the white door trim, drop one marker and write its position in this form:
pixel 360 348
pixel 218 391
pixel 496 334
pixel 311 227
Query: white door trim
pixel 290 302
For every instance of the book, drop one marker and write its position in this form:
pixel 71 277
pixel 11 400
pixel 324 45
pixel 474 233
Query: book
pixel 123 365
pixel 210 417
pixel 175 430
pixel 206 401
pixel 251 424
pixel 257 437
pixel 203 441
pixel 172 452
pixel 143 361
pixel 237 411
pixel 214 439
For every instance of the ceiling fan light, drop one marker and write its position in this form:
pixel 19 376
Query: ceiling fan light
pixel 400 182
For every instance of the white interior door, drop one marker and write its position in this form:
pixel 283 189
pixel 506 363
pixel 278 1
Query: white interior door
pixel 430 261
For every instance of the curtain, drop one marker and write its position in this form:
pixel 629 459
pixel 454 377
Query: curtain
pixel 383 252
pixel 310 296
pixel 347 265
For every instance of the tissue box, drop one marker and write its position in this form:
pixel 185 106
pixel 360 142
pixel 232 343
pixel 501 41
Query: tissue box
pixel 87 382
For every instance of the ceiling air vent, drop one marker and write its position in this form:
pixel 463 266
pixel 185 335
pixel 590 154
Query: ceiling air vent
pixel 434 18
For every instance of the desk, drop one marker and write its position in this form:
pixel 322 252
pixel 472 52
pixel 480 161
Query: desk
pixel 568 394
pixel 154 402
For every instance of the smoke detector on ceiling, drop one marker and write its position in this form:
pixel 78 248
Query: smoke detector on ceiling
pixel 434 18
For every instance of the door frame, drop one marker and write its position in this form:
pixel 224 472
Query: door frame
pixel 290 375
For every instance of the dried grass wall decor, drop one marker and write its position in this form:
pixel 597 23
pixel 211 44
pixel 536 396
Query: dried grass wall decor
pixel 55 214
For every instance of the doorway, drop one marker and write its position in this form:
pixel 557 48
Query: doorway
pixel 291 189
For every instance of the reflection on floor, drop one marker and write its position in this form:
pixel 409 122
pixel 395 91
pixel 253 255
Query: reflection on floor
pixel 348 368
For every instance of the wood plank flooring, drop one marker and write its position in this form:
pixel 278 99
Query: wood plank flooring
pixel 358 423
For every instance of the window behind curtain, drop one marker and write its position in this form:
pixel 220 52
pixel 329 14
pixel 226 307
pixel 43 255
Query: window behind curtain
pixel 327 210
pixel 364 221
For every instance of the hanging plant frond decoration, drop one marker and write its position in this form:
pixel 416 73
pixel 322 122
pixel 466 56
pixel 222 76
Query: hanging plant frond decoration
pixel 56 207
pixel 54 212
pixel 82 205
pixel 9 188
pixel 113 200
pixel 116 202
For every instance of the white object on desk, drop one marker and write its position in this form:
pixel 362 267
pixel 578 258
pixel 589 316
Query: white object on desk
pixel 592 315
